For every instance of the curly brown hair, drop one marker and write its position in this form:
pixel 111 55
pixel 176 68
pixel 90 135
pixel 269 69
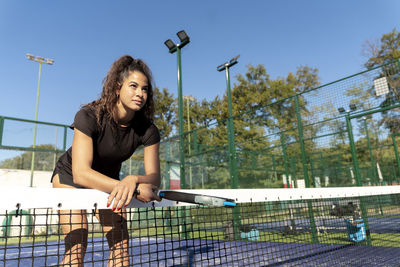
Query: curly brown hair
pixel 106 105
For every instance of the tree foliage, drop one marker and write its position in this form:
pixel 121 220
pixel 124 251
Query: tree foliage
pixel 382 51
pixel 44 161
pixel 165 108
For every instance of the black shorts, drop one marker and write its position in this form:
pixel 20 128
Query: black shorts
pixel 65 179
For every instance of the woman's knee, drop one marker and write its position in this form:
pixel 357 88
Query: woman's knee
pixel 115 228
pixel 76 239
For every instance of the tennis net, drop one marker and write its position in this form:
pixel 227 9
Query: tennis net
pixel 350 226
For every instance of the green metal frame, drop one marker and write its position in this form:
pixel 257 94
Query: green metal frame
pixel 20 148
pixel 396 152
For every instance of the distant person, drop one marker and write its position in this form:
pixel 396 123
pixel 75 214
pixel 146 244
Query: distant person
pixel 106 132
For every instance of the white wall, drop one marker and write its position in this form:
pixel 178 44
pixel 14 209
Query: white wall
pixel 14 178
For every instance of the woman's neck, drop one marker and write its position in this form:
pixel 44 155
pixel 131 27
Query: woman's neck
pixel 124 117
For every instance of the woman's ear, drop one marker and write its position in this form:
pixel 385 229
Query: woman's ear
pixel 118 91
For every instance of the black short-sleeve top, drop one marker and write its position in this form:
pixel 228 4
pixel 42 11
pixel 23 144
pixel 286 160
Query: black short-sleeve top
pixel 111 146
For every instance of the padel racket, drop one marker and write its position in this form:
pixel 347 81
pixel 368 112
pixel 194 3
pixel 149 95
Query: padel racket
pixel 197 199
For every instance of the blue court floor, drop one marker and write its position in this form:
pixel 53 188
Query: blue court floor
pixel 166 252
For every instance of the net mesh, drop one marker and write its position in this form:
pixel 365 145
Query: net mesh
pixel 352 226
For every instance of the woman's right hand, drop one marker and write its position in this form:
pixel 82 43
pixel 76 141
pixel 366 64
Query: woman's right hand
pixel 147 193
pixel 122 192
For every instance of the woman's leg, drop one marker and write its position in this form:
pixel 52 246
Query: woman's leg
pixel 75 228
pixel 115 227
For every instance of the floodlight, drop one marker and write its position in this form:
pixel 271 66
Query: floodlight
pixel 341 110
pixel 30 57
pixel 234 60
pixel 171 45
pixel 189 98
pixel 381 86
pixel 367 117
pixel 39 59
pixel 184 38
pixel 353 107
pixel 49 61
pixel 222 66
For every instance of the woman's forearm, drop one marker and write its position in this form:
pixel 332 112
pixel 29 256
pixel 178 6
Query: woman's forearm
pixel 95 180
pixel 153 179
pixel 92 179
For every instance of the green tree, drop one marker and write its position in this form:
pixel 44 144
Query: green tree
pixel 379 52
pixel 44 160
pixel 165 108
pixel 262 106
pixel 264 103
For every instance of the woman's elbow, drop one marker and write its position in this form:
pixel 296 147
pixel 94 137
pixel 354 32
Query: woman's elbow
pixel 78 175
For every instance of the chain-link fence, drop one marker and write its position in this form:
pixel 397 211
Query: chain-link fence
pixel 339 134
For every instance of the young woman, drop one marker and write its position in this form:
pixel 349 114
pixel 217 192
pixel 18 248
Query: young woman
pixel 106 132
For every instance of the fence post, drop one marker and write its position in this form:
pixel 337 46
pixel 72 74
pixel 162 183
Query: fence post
pixel 285 158
pixel 396 152
pixel 1 130
pixel 357 174
pixel 314 234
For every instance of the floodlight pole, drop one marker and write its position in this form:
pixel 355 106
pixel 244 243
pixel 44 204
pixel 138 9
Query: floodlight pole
pixel 40 60
pixel 180 115
pixel 188 99
pixel 231 136
pixel 177 48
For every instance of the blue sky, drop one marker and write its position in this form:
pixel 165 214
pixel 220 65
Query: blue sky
pixel 85 37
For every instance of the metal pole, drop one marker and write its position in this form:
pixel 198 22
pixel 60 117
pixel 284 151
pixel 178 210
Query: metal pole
pixel 396 152
pixel 180 114
pixel 285 159
pixel 373 165
pixel 231 136
pixel 357 174
pixel 189 133
pixel 1 130
pixel 301 142
pixel 55 150
pixel 353 151
pixel 314 234
pixel 167 167
pixel 35 128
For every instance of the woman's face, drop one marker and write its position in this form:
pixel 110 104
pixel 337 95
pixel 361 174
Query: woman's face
pixel 133 92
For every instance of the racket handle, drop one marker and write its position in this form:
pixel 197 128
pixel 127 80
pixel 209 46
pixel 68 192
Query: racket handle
pixel 178 196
